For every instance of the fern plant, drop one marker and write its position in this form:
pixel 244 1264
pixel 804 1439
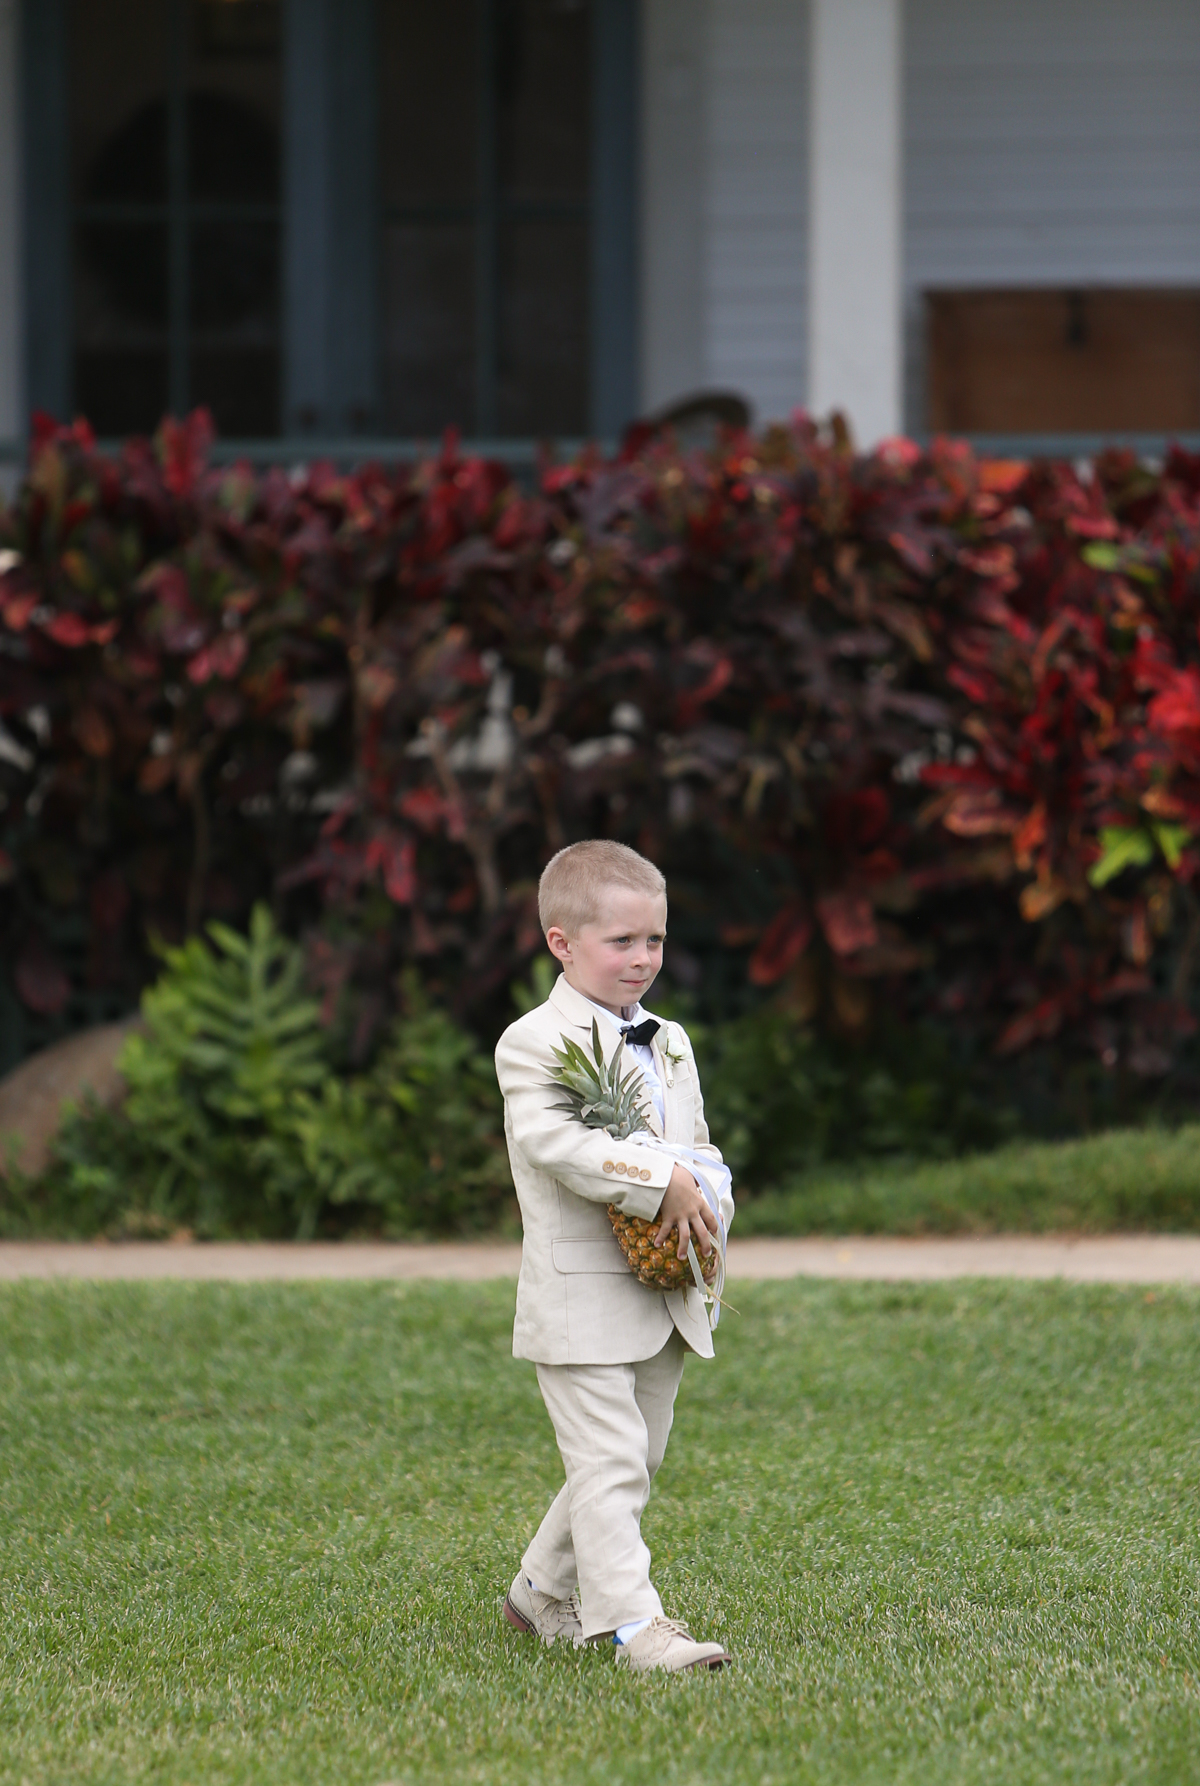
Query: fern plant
pixel 231 1041
pixel 236 1123
pixel 233 1021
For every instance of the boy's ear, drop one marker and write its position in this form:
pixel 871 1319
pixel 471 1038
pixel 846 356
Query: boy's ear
pixel 558 943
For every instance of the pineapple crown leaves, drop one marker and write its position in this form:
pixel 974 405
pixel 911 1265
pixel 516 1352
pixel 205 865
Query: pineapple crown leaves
pixel 596 1091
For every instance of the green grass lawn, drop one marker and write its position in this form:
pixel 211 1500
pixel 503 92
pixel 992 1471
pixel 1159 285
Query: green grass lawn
pixel 261 1534
pixel 1124 1179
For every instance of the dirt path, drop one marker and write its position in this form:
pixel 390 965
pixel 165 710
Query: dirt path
pixel 1106 1259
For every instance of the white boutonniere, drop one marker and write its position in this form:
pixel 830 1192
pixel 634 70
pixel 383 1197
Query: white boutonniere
pixel 673 1050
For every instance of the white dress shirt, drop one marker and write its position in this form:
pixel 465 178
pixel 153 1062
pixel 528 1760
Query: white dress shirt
pixel 642 1053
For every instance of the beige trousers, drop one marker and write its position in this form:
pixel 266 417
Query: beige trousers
pixel 612 1422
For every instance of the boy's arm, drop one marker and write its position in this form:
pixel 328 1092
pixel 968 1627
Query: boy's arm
pixel 560 1144
pixel 703 1146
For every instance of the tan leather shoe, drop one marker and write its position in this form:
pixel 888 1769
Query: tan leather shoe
pixel 668 1645
pixel 527 1610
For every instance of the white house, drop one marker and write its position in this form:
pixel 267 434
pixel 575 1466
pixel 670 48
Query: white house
pixel 358 221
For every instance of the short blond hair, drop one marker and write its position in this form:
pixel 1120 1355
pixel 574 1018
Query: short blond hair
pixel 573 880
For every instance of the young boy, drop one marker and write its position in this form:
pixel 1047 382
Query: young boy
pixel 609 1351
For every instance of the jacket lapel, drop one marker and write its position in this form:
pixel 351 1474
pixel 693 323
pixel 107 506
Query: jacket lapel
pixel 666 1074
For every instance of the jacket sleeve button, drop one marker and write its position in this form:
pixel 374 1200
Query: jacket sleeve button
pixel 645 1171
pixel 621 1166
pixel 608 1166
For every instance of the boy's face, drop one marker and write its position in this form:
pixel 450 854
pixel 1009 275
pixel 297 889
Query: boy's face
pixel 615 960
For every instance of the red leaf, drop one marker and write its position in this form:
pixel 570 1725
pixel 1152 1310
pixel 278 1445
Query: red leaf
pixel 169 584
pixel 976 688
pixel 70 630
pixel 1042 1022
pixel 1002 476
pixel 93 731
pixel 426 807
pixel 913 550
pixel 377 685
pixel 1126 983
pixel 899 452
pixel 184 448
pixel 43 429
pixel 995 560
pixel 465 898
pixel 692 704
pixel 155 773
pixel 1030 835
pixel 516 523
pixel 224 657
pixel 848 922
pixel 784 941
pixel 396 858
pixel 224 707
pixel 1093 527
pixel 981 814
pixel 736 936
pixel 871 815
pixel 18 609
pixel 40 980
pixel 1177 708
pixel 346 806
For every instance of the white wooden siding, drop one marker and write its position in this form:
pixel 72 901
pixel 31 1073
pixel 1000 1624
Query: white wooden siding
pixel 674 47
pixel 756 210
pixel 1049 142
pixel 724 183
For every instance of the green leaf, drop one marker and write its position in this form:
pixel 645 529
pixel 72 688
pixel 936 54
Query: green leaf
pixel 1121 847
pixel 1172 840
pixel 528 995
pixel 1102 555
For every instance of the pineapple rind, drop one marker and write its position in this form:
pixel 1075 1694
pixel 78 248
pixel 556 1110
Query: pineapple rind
pixel 660 1268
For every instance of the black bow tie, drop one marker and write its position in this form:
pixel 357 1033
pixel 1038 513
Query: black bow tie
pixel 640 1035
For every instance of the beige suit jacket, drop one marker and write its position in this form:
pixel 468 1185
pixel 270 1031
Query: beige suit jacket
pixel 577 1300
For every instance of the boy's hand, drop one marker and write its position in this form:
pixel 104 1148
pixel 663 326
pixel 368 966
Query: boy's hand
pixel 684 1207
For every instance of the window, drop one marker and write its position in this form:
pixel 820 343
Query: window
pixel 485 155
pixel 174 126
pixel 332 219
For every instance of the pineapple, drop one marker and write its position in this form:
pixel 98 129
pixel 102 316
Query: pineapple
pixel 596 1091
pixel 660 1267
pixel 600 1097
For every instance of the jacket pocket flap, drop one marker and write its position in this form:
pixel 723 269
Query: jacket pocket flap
pixel 589 1255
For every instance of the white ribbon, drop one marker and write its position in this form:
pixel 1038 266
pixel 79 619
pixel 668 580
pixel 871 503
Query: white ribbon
pixel 714 1177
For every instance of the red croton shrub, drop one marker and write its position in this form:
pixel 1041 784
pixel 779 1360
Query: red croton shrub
pixel 908 731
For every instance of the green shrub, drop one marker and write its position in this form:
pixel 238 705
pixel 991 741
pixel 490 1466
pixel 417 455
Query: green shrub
pixel 427 1117
pixel 236 1123
pixel 780 1100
